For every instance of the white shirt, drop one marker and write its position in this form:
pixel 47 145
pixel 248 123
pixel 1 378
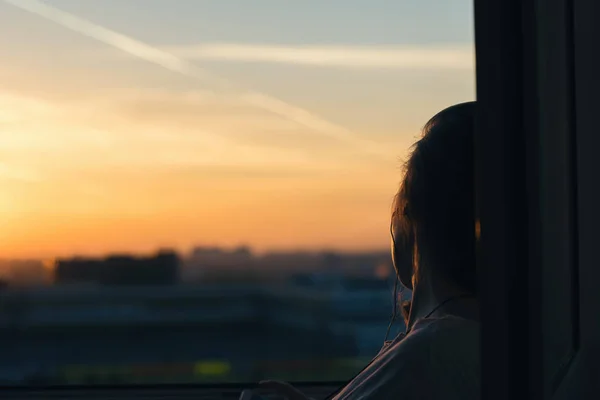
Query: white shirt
pixel 438 359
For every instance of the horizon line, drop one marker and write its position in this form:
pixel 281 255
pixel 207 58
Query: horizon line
pixel 190 250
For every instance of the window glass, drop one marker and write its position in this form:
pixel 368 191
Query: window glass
pixel 200 191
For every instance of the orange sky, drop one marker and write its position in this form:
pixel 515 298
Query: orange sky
pixel 101 152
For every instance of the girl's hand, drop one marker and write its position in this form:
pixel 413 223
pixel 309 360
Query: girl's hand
pixel 283 389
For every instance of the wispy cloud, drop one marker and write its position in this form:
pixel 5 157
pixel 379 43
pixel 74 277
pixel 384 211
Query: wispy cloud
pixel 12 172
pixel 180 65
pixel 15 107
pixel 201 110
pixel 121 130
pixel 456 57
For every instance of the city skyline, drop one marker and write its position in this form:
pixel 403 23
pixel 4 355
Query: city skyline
pixel 125 128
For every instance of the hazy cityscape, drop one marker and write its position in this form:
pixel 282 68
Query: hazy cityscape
pixel 209 315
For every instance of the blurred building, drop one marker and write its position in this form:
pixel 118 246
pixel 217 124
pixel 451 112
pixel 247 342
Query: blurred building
pixel 161 269
pixel 214 264
pixel 24 273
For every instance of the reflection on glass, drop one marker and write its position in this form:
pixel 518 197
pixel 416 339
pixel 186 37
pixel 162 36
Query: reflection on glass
pixel 200 192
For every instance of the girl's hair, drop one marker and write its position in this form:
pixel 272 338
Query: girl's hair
pixel 434 210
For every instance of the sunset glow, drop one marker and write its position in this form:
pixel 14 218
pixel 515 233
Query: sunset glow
pixel 102 149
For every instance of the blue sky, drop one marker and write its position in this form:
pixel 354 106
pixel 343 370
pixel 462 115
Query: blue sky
pixel 281 21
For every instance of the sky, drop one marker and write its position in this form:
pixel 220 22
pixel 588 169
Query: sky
pixel 132 125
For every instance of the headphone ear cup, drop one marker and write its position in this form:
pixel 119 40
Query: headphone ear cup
pixel 403 239
pixel 405 310
pixel 404 259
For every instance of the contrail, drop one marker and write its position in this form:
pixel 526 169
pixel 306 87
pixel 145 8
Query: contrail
pixel 456 57
pixel 176 64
